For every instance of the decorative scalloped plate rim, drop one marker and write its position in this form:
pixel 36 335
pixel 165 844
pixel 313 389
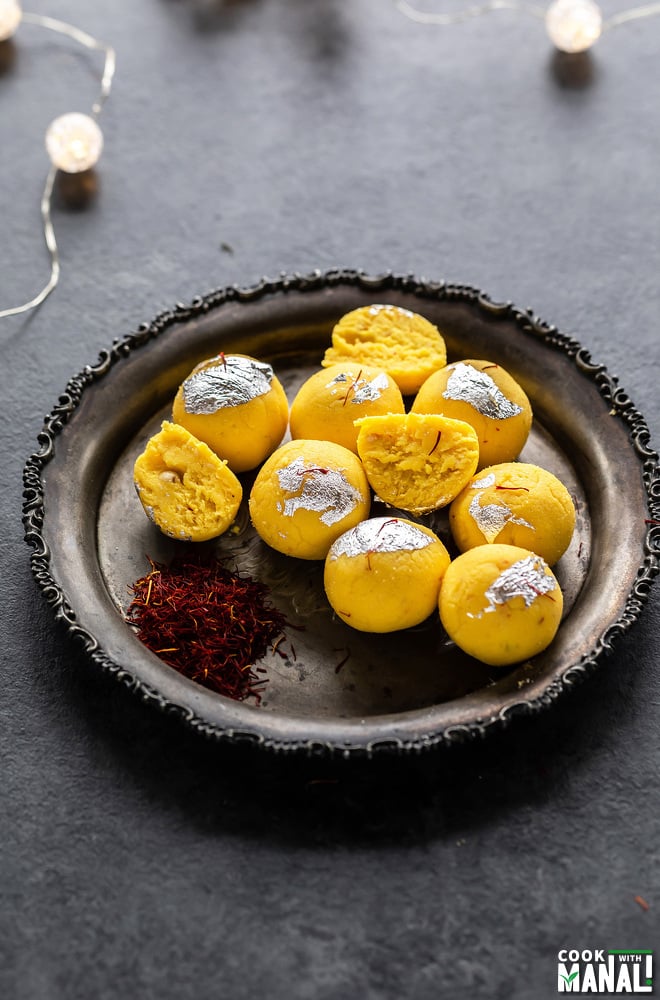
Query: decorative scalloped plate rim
pixel 526 322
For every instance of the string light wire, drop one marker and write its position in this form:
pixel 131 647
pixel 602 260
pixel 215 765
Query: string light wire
pixel 429 17
pixel 649 10
pixel 62 28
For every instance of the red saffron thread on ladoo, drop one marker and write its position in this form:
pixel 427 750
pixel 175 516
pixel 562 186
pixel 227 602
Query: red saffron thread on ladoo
pixel 437 442
pixel 207 622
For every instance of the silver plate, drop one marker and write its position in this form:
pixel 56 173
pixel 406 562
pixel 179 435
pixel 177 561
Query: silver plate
pixel 336 689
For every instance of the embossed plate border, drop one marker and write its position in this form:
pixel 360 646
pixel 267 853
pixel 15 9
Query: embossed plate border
pixel 379 734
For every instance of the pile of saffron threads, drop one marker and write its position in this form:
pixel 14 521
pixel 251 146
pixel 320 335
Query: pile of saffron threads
pixel 207 622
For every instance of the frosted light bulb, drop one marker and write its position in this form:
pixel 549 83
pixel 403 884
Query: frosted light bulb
pixel 74 142
pixel 573 25
pixel 10 18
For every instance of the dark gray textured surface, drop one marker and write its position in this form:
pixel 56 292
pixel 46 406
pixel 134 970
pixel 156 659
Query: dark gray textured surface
pixel 138 861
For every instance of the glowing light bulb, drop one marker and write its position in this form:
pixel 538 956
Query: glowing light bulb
pixel 573 25
pixel 10 18
pixel 74 142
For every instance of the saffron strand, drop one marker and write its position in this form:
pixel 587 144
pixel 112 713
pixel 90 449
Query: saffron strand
pixel 207 622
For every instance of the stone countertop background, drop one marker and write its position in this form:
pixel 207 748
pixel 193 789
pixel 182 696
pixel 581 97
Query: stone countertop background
pixel 247 139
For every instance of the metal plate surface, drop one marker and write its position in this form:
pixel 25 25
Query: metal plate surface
pixel 335 689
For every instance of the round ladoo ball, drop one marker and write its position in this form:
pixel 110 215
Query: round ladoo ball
pixel 485 396
pixel 417 462
pixel 237 406
pixel 514 504
pixel 384 574
pixel 330 400
pixel 500 604
pixel 306 494
pixel 399 341
pixel 185 489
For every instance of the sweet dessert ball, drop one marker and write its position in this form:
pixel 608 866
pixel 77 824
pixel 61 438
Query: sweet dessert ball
pixel 236 405
pixel 306 494
pixel 399 341
pixel 514 504
pixel 185 489
pixel 384 574
pixel 415 461
pixel 500 604
pixel 488 398
pixel 330 400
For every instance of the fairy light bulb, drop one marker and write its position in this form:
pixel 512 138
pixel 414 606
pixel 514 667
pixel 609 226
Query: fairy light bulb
pixel 74 142
pixel 573 25
pixel 10 18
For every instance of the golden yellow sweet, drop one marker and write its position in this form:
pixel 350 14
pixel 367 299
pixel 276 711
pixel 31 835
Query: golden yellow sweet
pixel 417 462
pixel 384 574
pixel 402 343
pixel 185 489
pixel 237 406
pixel 326 405
pixel 485 396
pixel 500 604
pixel 306 494
pixel 514 504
